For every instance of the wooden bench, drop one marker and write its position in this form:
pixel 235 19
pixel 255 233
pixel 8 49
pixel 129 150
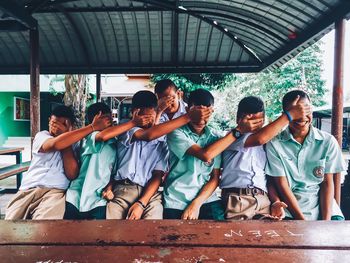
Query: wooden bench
pixel 15 169
pixel 174 241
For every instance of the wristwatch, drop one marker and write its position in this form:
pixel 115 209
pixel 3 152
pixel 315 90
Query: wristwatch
pixel 236 133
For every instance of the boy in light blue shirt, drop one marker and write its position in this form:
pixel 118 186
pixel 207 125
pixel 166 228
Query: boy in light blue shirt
pixel 140 168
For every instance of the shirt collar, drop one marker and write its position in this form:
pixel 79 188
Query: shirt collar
pixel 314 134
pixel 205 133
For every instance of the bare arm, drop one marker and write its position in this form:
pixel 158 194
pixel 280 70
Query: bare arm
pixel 68 138
pixel 114 131
pixel 161 129
pixel 167 127
pixel 209 152
pixel 277 206
pixel 192 211
pixel 136 210
pixel 288 197
pixel 70 163
pixel 326 197
pixel 264 135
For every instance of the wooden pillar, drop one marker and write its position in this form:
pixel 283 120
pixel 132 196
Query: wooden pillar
pixel 98 87
pixel 337 103
pixel 34 83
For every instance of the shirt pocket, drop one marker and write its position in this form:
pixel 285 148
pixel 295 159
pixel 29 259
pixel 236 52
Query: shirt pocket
pixel 316 169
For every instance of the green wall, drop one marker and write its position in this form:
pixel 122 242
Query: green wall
pixel 8 126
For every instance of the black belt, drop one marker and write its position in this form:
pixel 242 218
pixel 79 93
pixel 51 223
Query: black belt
pixel 244 191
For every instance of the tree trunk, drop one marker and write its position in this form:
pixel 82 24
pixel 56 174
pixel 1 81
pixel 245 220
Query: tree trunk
pixel 76 96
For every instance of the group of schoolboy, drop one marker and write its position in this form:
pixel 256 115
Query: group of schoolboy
pixel 280 170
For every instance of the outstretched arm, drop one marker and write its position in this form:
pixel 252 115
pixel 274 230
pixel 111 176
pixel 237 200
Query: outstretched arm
pixel 114 131
pixel 68 138
pixel 159 130
pixel 209 152
pixel 264 135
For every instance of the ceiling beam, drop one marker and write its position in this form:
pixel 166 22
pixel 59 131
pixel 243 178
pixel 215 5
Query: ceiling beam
pixel 18 12
pixel 11 25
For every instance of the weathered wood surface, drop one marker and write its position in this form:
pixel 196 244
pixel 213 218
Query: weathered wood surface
pixel 148 254
pixel 6 150
pixel 255 234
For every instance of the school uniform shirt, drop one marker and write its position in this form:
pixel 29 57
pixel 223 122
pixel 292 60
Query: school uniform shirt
pixel 304 165
pixel 243 167
pixel 181 111
pixel 136 160
pixel 46 169
pixel 188 174
pixel 97 161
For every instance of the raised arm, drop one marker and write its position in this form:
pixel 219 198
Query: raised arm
pixel 192 211
pixel 209 152
pixel 68 138
pixel 163 104
pixel 114 131
pixel 159 130
pixel 264 135
pixel 326 197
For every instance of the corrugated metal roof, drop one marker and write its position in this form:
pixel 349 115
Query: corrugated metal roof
pixel 121 36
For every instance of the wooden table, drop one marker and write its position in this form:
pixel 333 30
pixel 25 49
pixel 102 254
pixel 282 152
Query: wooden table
pixel 174 241
pixel 18 153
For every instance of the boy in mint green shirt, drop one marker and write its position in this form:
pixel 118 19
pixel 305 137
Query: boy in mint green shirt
pixel 302 161
pixel 84 198
pixel 189 190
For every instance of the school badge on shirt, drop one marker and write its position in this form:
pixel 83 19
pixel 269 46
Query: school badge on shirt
pixel 318 171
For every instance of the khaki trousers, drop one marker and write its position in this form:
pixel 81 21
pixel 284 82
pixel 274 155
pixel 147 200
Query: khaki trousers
pixel 126 195
pixel 37 203
pixel 242 207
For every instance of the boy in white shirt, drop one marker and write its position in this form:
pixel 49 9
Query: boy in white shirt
pixel 53 165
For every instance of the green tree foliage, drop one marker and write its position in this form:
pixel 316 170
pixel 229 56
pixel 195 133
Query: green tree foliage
pixel 302 72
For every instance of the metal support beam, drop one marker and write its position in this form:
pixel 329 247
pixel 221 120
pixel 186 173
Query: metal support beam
pixel 337 103
pixel 98 87
pixel 16 11
pixel 34 83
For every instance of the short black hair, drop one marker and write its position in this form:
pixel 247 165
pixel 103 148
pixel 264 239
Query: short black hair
pixel 250 105
pixel 163 85
pixel 95 108
pixel 291 96
pixel 200 97
pixel 144 99
pixel 64 111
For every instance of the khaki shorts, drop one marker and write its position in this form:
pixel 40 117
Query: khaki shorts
pixel 125 195
pixel 242 206
pixel 37 203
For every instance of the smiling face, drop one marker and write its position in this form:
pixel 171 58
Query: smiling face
pixel 303 124
pixel 171 91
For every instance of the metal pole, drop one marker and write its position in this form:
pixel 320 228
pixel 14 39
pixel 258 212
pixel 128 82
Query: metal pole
pixel 98 87
pixel 337 103
pixel 34 82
